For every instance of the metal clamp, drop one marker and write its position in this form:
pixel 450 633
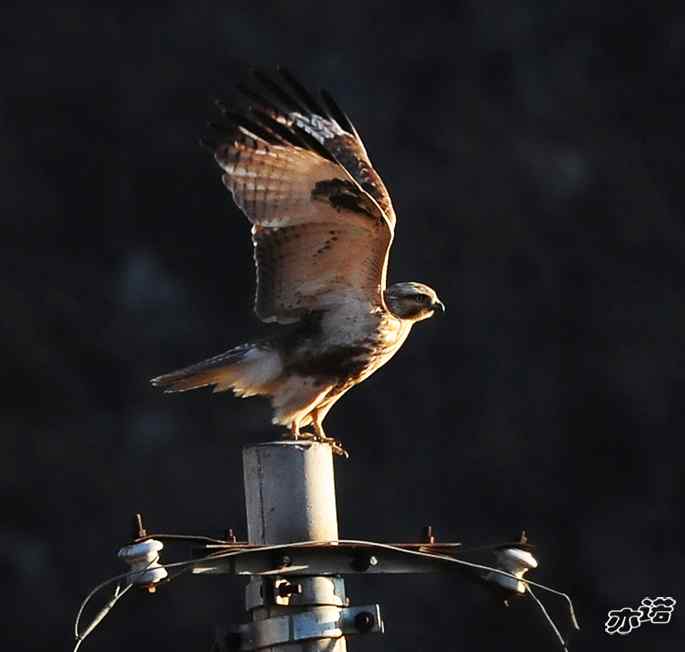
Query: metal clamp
pixel 296 592
pixel 315 623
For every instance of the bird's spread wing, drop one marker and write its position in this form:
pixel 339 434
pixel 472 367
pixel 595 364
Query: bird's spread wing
pixel 322 218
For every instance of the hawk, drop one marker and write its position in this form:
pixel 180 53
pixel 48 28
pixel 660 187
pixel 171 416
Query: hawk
pixel 322 226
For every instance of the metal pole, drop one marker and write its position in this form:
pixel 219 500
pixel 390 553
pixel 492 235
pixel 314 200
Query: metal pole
pixel 289 497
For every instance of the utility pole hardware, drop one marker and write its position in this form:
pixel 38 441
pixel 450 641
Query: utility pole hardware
pixel 295 598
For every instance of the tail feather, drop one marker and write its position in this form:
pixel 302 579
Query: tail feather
pixel 247 369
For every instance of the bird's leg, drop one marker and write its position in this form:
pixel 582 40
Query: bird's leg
pixel 320 434
pixel 293 431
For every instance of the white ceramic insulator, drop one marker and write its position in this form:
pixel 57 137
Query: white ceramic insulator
pixel 143 558
pixel 514 561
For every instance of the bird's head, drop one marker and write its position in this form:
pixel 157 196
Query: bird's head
pixel 412 301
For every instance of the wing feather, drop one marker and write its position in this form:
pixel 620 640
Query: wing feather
pixel 322 220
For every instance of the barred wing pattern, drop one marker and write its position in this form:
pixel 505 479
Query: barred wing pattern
pixel 322 219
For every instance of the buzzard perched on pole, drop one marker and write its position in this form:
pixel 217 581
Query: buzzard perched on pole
pixel 322 226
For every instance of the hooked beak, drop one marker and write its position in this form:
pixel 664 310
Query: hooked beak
pixel 438 305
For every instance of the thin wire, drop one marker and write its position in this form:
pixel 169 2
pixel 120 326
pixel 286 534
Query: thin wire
pixel 100 615
pixel 171 578
pixel 117 578
pixel 549 619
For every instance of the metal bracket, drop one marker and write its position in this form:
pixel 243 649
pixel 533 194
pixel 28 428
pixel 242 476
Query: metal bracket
pixel 315 623
pixel 322 559
pixel 340 558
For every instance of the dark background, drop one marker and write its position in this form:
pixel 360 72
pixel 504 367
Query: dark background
pixel 534 155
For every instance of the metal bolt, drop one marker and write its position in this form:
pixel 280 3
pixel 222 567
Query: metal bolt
pixel 362 562
pixel 138 530
pixel 428 534
pixel 364 621
pixel 286 560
